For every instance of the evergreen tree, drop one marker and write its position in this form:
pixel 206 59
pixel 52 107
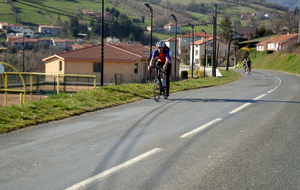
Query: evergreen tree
pixel 74 22
pixel 261 31
pixel 92 24
pixel 117 13
pixel 225 28
pixel 97 29
pixel 58 22
pixel 74 27
pixel 112 10
pixel 143 19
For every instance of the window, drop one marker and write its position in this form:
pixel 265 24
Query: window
pixel 136 68
pixel 60 65
pixel 196 52
pixel 97 67
pixel 209 44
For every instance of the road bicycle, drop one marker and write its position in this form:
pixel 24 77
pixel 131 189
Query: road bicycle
pixel 159 86
pixel 248 71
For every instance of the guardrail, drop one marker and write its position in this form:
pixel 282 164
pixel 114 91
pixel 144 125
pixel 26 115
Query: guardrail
pixel 23 92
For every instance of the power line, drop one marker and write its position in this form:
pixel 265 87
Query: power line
pixel 294 3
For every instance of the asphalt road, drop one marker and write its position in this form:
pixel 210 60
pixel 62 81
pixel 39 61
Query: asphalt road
pixel 242 135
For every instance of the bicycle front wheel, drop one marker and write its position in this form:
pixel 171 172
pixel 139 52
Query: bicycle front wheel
pixel 157 89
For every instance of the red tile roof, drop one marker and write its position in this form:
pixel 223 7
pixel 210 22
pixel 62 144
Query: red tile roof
pixel 278 39
pixel 197 35
pixel 143 51
pixel 199 42
pixel 46 26
pixel 170 39
pixel 171 24
pixel 111 53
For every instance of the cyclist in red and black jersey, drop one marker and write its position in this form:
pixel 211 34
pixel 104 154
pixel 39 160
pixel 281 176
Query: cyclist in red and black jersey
pixel 164 60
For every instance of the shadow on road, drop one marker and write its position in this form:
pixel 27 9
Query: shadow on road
pixel 102 166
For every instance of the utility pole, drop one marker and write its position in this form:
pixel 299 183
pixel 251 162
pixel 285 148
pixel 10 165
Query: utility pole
pixel 102 44
pixel 228 53
pixel 214 61
pixel 235 46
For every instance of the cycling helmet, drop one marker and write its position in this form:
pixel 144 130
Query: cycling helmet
pixel 160 44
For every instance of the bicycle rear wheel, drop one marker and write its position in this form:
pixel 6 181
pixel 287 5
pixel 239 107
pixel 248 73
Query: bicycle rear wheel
pixel 157 89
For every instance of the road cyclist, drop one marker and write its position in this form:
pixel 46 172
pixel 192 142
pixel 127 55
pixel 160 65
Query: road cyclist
pixel 164 61
pixel 244 65
pixel 249 66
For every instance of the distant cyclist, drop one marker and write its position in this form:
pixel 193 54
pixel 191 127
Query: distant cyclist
pixel 244 64
pixel 249 66
pixel 164 60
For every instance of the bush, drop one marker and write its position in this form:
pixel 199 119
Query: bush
pixel 183 75
pixel 199 73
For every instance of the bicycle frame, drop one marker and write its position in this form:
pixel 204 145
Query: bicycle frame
pixel 159 88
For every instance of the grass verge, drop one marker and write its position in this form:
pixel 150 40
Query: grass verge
pixel 65 105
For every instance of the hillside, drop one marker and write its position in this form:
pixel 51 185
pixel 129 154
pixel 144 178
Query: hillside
pixel 291 4
pixel 48 10
pixel 277 61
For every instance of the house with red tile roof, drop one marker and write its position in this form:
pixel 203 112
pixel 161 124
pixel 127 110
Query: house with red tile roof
pixel 129 62
pixel 206 44
pixel 278 43
pixel 15 27
pixel 31 42
pixel 155 28
pixel 45 29
pixel 170 42
pixel 63 43
pixel 171 28
pixel 186 39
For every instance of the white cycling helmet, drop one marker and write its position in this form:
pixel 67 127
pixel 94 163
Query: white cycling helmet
pixel 160 44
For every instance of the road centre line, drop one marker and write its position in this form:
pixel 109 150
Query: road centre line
pixel 90 181
pixel 259 97
pixel 271 91
pixel 201 128
pixel 239 108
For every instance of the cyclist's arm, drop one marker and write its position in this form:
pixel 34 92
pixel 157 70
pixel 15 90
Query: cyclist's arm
pixel 168 57
pixel 152 60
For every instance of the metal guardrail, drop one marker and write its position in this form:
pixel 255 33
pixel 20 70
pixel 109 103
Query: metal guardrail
pixel 23 92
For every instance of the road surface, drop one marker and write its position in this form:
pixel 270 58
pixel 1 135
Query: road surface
pixel 242 135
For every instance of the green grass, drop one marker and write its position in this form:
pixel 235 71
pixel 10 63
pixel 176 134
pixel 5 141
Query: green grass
pixel 65 105
pixel 275 61
pixel 278 61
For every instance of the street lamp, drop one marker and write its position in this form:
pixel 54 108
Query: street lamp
pixel 205 54
pixel 174 17
pixel 102 45
pixel 24 33
pixel 192 48
pixel 151 10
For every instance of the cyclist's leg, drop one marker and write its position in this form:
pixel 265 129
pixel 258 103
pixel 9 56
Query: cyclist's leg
pixel 168 78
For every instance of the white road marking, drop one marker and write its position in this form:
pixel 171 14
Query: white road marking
pixel 88 182
pixel 259 97
pixel 240 108
pixel 201 128
pixel 270 91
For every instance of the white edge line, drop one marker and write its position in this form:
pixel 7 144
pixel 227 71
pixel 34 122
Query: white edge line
pixel 201 128
pixel 239 108
pixel 259 97
pixel 84 184
pixel 271 91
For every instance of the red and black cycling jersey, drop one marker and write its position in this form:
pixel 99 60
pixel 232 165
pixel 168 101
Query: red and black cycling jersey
pixel 162 56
